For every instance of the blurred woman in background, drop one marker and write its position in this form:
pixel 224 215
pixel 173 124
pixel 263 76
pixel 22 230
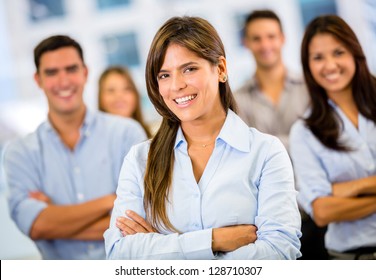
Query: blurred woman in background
pixel 118 95
pixel 334 148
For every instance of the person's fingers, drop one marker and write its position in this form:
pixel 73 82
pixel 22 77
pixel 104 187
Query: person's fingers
pixel 39 196
pixel 126 230
pixel 141 221
pixel 131 225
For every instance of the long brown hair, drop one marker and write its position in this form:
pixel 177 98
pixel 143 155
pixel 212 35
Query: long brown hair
pixel 323 121
pixel 200 37
pixel 137 114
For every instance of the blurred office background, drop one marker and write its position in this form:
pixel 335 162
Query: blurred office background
pixel 120 32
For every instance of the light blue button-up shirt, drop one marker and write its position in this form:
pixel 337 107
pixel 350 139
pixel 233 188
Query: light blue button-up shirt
pixel 41 162
pixel 317 168
pixel 247 180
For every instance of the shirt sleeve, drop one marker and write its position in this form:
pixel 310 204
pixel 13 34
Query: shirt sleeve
pixel 311 177
pixel 278 219
pixel 190 245
pixel 21 177
pixel 134 134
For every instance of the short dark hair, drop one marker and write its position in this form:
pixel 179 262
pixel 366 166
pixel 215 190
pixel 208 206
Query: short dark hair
pixel 53 43
pixel 261 14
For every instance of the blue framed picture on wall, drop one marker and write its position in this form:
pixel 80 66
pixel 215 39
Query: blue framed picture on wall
pixel 122 49
pixel 40 10
pixel 312 8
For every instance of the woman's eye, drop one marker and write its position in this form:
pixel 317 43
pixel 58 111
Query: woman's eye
pixel 338 52
pixel 317 57
pixel 162 76
pixel 190 69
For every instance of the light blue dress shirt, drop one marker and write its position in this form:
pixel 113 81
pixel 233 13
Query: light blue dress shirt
pixel 247 180
pixel 317 168
pixel 41 162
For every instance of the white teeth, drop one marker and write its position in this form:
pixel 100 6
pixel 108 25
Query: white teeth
pixel 185 99
pixel 332 76
pixel 64 93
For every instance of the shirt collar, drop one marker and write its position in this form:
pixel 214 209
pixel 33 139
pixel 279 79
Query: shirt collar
pixel 290 79
pixel 87 124
pixel 252 83
pixel 179 138
pixel 234 132
pixel 293 78
pixel 331 103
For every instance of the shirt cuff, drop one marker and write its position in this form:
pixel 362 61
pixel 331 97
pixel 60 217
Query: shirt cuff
pixel 27 213
pixel 197 245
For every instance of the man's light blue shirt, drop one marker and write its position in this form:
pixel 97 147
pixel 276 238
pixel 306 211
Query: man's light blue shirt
pixel 317 168
pixel 247 180
pixel 41 162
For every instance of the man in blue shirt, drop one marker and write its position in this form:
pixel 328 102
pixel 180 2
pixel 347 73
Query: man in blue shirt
pixel 62 178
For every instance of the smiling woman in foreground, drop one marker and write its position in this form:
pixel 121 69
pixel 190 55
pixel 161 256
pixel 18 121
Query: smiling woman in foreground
pixel 206 186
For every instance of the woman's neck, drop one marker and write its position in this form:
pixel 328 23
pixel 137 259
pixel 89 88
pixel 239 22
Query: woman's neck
pixel 204 132
pixel 345 101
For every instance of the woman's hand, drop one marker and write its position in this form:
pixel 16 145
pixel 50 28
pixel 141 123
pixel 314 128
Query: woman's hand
pixel 40 196
pixel 230 238
pixel 133 224
pixel 354 188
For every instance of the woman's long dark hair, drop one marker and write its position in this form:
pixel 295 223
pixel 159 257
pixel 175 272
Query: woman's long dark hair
pixel 323 121
pixel 200 37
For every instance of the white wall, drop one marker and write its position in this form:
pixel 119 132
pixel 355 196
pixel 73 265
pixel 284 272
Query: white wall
pixel 13 244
